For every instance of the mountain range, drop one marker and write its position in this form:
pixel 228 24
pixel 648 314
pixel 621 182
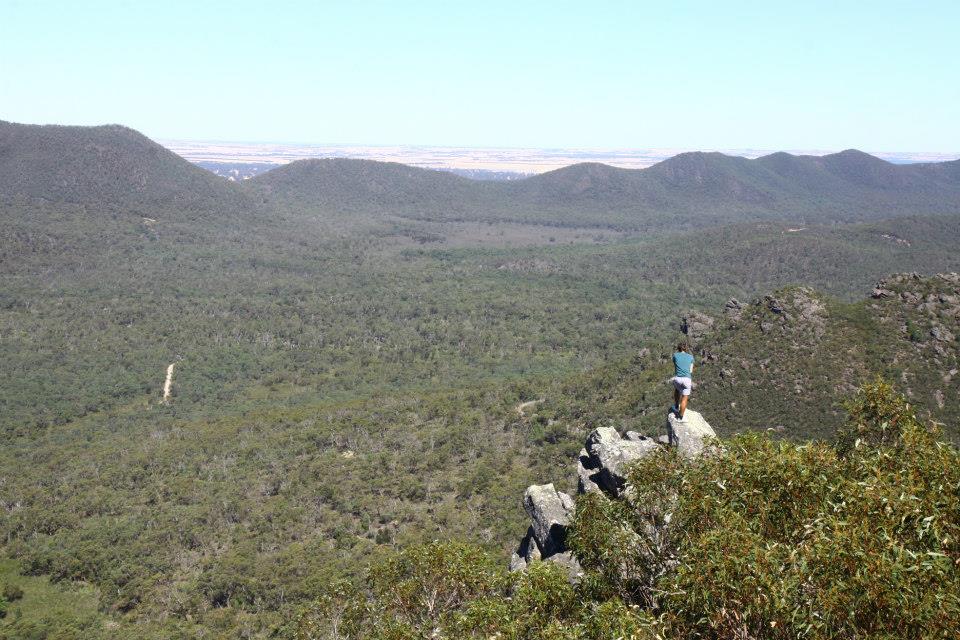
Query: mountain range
pixel 116 165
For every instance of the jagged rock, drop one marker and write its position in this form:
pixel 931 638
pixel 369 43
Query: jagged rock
pixel 941 334
pixel 774 304
pixel 613 453
pixel 601 467
pixel 527 553
pixel 880 292
pixel 695 325
pixel 733 309
pixel 550 512
pixel 587 468
pixel 689 435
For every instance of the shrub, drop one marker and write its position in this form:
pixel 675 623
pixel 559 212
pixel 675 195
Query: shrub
pixel 877 417
pixel 11 592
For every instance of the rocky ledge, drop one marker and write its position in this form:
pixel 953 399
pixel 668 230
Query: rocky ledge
pixel 601 467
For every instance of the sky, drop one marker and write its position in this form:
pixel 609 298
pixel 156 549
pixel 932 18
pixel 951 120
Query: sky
pixel 875 75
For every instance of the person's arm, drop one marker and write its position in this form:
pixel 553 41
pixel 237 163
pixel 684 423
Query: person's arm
pixel 691 368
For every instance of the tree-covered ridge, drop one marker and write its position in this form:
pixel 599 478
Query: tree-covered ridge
pixel 796 353
pixel 112 166
pixel 108 167
pixel 758 539
pixel 691 190
pixel 762 362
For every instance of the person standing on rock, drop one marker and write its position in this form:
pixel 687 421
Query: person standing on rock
pixel 682 379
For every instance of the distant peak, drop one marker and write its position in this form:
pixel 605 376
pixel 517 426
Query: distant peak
pixel 855 155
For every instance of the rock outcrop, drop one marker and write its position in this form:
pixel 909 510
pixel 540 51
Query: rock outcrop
pixel 550 513
pixel 603 460
pixel 690 435
pixel 601 467
pixel 696 324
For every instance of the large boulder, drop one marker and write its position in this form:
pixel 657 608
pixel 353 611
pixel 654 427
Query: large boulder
pixel 689 435
pixel 550 512
pixel 602 463
pixel 733 310
pixel 695 325
pixel 614 454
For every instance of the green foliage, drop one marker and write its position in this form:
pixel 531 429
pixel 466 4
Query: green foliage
pixel 451 590
pixel 416 592
pixel 759 539
pixel 11 592
pixel 38 609
pixel 877 418
pixel 773 539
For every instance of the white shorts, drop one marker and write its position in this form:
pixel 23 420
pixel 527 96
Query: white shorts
pixel 683 385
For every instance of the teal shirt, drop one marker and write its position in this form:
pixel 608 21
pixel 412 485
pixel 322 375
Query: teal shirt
pixel 682 364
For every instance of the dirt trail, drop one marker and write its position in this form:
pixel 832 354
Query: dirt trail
pixel 523 406
pixel 168 384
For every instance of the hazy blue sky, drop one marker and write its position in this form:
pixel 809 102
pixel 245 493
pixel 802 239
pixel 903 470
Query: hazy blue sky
pixel 772 75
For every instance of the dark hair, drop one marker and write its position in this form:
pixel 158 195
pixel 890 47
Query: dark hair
pixel 681 346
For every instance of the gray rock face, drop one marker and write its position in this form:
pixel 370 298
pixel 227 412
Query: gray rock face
pixel 614 454
pixel 527 553
pixel 695 325
pixel 941 334
pixel 689 435
pixel 733 310
pixel 603 462
pixel 587 468
pixel 550 511
pixel 566 560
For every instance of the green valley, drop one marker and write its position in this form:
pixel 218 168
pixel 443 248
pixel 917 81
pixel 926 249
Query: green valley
pixel 352 340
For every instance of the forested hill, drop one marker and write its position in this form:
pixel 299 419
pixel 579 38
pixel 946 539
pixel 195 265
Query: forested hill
pixel 342 185
pixel 688 190
pixel 113 166
pixel 108 166
pixel 788 361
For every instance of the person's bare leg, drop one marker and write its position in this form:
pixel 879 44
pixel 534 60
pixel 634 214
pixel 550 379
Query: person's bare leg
pixel 683 405
pixel 676 398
